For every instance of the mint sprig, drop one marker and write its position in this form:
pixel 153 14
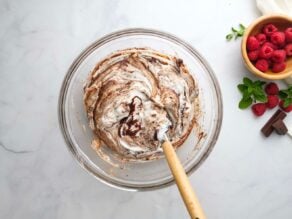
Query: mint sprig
pixel 252 91
pixel 235 33
pixel 286 96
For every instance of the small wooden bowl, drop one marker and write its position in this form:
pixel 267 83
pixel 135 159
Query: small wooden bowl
pixel 281 22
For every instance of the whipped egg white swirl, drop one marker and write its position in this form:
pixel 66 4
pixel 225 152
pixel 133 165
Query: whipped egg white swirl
pixel 132 93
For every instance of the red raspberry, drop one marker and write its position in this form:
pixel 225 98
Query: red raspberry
pixel 286 109
pixel 272 88
pixel 252 43
pixel 270 63
pixel 253 55
pixel 266 52
pixel 270 45
pixel 278 38
pixel 278 67
pixel 288 35
pixel 269 29
pixel 262 65
pixel 278 56
pixel 261 38
pixel 259 109
pixel 273 101
pixel 288 49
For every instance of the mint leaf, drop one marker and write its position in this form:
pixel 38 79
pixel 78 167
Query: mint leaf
pixel 242 27
pixel 258 90
pixel 285 92
pixel 235 33
pixel 260 97
pixel 259 83
pixel 287 102
pixel 282 95
pixel 229 37
pixel 290 91
pixel 242 87
pixel 259 94
pixel 240 33
pixel 245 103
pixel 247 81
pixel 233 30
pixel 286 96
pixel 246 94
pixel 241 30
pixel 252 91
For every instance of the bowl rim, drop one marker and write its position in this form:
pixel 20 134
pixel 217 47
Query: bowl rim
pixel 71 71
pixel 247 62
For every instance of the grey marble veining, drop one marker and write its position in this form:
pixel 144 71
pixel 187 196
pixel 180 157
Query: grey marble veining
pixel 246 176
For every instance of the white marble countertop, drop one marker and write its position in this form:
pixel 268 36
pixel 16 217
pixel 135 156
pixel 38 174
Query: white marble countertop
pixel 246 175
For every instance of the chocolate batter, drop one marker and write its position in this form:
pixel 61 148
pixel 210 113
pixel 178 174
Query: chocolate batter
pixel 133 92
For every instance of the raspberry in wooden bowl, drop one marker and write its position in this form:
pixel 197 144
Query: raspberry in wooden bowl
pixel 267 47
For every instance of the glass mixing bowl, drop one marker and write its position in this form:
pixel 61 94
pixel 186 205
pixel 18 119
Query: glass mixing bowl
pixel 148 174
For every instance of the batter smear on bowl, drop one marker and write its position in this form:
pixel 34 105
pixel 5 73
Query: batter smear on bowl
pixel 132 93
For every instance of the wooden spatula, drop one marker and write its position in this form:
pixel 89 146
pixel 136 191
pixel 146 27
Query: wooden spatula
pixel 182 181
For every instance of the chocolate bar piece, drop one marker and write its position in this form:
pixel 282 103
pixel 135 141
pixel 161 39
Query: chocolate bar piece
pixel 280 127
pixel 268 127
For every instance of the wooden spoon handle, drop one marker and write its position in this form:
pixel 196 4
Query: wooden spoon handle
pixel 183 183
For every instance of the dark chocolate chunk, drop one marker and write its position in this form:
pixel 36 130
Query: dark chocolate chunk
pixel 280 127
pixel 129 125
pixel 179 62
pixel 268 127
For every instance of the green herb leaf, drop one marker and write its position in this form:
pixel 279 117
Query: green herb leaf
pixel 286 96
pixel 242 87
pixel 252 91
pixel 241 26
pixel 241 30
pixel 240 33
pixel 287 102
pixel 285 92
pixel 258 91
pixel 290 91
pixel 246 94
pixel 245 103
pixel 233 30
pixel 247 81
pixel 283 95
pixel 236 33
pixel 261 97
pixel 259 83
pixel 229 37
